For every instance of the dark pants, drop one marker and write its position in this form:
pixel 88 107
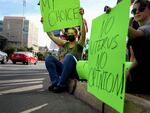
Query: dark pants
pixel 140 83
pixel 60 72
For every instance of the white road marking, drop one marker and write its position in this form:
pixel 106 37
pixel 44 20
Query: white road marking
pixel 41 90
pixel 20 80
pixel 34 109
pixel 22 83
pixel 21 73
pixel 21 89
pixel 25 74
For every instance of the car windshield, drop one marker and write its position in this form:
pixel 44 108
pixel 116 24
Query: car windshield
pixel 3 53
pixel 25 53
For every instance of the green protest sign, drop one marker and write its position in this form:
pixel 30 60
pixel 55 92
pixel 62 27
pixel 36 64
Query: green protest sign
pixel 104 69
pixel 58 14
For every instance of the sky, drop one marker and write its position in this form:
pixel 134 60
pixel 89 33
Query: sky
pixel 93 8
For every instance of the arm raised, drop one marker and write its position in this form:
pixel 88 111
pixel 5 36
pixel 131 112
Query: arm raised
pixel 83 33
pixel 55 39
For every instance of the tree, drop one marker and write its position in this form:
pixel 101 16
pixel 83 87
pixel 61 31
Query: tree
pixel 22 49
pixel 30 49
pixel 25 49
pixel 10 50
pixel 40 56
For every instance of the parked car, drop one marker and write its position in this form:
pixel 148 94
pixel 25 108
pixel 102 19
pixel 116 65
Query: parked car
pixel 3 57
pixel 24 57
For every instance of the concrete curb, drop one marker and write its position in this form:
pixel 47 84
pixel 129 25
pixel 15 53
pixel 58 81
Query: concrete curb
pixel 133 104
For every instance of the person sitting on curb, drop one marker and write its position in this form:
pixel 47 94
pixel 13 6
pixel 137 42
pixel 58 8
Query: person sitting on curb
pixel 59 72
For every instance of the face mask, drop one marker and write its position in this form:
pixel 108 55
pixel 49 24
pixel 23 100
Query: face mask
pixel 65 34
pixel 71 38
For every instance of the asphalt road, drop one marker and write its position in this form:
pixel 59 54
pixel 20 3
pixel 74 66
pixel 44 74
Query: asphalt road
pixel 23 89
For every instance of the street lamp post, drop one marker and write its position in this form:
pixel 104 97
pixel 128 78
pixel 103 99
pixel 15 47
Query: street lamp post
pixel 24 5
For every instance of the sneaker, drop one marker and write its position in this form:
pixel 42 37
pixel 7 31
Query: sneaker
pixel 59 89
pixel 51 88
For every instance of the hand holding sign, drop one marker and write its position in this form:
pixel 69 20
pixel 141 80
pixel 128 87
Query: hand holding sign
pixel 41 20
pixel 57 16
pixel 104 69
pixel 81 11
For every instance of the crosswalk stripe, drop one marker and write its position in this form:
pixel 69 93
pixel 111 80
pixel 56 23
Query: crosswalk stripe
pixel 20 80
pixel 21 89
pixel 22 83
pixel 34 109
pixel 24 74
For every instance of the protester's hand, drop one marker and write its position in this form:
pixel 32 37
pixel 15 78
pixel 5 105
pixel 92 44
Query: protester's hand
pixel 132 1
pixel 107 9
pixel 128 75
pixel 81 11
pixel 41 20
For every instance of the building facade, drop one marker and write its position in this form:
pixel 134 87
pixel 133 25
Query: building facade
pixel 3 39
pixel 20 32
pixel 1 25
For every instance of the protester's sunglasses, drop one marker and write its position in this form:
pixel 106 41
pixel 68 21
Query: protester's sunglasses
pixel 140 9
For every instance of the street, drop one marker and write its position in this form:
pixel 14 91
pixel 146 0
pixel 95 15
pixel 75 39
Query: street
pixel 23 89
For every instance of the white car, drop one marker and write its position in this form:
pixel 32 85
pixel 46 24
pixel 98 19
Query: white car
pixel 3 57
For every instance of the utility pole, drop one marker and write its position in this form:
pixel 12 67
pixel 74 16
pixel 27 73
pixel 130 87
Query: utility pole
pixel 24 5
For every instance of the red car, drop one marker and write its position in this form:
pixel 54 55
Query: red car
pixel 24 57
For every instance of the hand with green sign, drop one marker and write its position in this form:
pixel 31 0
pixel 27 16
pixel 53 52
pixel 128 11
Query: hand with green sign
pixel 105 68
pixel 57 16
pixel 61 42
pixel 107 9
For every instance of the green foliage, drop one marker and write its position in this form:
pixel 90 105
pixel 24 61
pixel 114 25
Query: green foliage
pixel 40 56
pixel 10 50
pixel 30 49
pixel 25 49
pixel 22 49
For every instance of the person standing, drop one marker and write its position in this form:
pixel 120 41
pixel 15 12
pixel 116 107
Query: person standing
pixel 138 78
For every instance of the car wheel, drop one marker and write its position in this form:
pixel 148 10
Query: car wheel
pixel 35 62
pixel 27 63
pixel 14 62
pixel 23 62
pixel 4 60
